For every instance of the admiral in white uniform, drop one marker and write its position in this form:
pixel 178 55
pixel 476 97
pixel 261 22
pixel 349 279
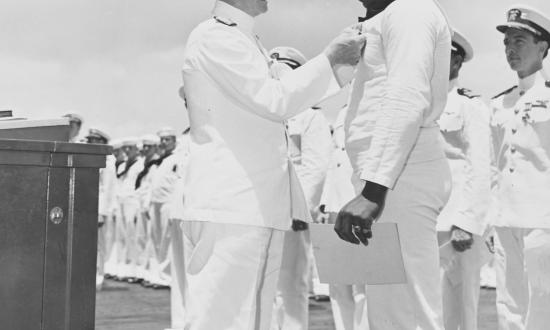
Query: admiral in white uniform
pixel 241 190
pixel 395 147
pixel 310 147
pixel 464 125
pixel 521 133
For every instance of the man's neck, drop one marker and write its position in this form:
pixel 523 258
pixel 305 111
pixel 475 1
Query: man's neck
pixel 526 73
pixel 240 5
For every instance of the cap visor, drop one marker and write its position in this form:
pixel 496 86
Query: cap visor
pixel 516 25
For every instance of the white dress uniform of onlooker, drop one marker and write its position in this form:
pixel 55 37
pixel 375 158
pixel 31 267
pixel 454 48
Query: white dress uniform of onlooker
pixel 521 133
pixel 149 152
pixel 107 179
pixel 163 186
pixel 310 147
pixel 464 125
pixel 129 210
pixel 75 123
pixel 112 250
pixel 396 150
pixel 177 265
pixel 241 190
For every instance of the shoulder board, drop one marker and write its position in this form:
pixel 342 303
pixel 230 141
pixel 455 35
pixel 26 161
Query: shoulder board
pixel 467 93
pixel 505 92
pixel 225 21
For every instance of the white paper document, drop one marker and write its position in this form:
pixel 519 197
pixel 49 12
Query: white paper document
pixel 340 262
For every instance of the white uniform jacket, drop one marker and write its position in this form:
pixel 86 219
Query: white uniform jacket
pixel 144 190
pixel 464 125
pixel 239 170
pixel 107 182
pixel 521 133
pixel 310 148
pixel 127 181
pixel 400 89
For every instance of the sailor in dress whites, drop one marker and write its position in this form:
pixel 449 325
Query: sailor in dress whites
pixel 149 152
pixel 129 210
pixel 112 250
pixel 393 140
pixel 241 190
pixel 163 186
pixel 310 147
pixel 521 133
pixel 464 125
pixel 107 179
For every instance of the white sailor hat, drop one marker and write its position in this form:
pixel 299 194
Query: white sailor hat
pixel 527 18
pixel 74 117
pixel 167 131
pixel 150 139
pixel 130 141
pixel 116 143
pixel 462 46
pixel 96 133
pixel 288 55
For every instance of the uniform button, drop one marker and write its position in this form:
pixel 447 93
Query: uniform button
pixel 514 131
pixel 512 170
pixel 516 111
pixel 337 165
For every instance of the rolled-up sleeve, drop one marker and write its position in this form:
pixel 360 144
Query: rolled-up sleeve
pixel 409 41
pixel 231 60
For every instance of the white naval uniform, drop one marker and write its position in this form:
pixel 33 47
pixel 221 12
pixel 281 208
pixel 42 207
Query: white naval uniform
pixel 310 147
pixel 113 233
pixel 145 241
pixel 521 133
pixel 399 91
pixel 127 228
pixel 105 237
pixel 464 125
pixel 241 191
pixel 338 191
pixel 163 186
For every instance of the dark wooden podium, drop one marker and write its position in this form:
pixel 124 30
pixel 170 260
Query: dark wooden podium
pixel 48 234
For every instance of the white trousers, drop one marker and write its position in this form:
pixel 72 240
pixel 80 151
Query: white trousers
pixel 342 301
pixel 127 239
pixel 160 236
pixel 414 204
pixel 179 284
pixel 292 300
pixel 231 274
pixel 522 265
pixel 460 280
pixel 101 252
pixel 111 250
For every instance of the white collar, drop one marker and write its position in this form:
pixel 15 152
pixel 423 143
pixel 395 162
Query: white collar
pixel 453 84
pixel 526 83
pixel 244 21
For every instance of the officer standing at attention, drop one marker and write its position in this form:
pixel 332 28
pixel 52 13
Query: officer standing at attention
pixel 310 147
pixel 521 133
pixel 241 192
pixel 464 125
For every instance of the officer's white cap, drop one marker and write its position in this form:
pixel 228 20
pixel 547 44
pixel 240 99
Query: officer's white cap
pixel 97 133
pixel 167 131
pixel 116 143
pixel 150 139
pixel 288 55
pixel 527 18
pixel 461 45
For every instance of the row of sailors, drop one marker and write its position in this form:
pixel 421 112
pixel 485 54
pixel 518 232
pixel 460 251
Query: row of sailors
pixel 137 193
pixel 518 141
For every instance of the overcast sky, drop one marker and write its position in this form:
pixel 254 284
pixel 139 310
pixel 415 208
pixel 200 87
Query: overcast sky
pixel 117 62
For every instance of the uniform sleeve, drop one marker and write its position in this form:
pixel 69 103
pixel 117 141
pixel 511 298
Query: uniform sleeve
pixel 409 40
pixel 476 194
pixel 237 66
pixel 316 150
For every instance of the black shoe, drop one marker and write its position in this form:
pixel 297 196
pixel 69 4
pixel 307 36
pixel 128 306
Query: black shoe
pixel 160 287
